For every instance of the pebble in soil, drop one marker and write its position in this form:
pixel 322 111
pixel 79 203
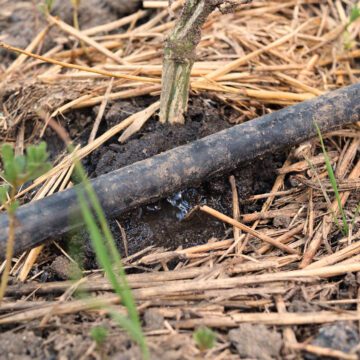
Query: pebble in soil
pixel 341 336
pixel 256 342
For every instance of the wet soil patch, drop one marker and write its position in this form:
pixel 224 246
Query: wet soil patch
pixel 164 223
pixel 161 224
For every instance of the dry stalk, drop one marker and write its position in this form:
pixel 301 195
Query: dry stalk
pixel 288 332
pixel 250 69
pixel 247 229
pixel 78 67
pixel 324 352
pixel 327 224
pixel 236 211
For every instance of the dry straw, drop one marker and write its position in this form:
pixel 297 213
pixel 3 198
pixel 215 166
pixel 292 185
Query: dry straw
pixel 267 55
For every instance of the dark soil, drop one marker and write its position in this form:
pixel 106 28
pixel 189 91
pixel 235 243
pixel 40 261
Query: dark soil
pixel 343 336
pixel 160 224
pixel 21 21
pixel 163 224
pixel 72 341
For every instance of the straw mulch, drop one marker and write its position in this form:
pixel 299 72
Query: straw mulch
pixel 266 55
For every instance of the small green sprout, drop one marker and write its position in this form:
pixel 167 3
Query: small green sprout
pixel 332 178
pixel 17 170
pixel 354 15
pixel 75 5
pixel 108 256
pixel 204 338
pixel 23 168
pixel 99 334
pixel 46 6
pixel 4 190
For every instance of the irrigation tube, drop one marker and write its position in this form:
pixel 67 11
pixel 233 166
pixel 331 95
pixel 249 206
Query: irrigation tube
pixel 163 174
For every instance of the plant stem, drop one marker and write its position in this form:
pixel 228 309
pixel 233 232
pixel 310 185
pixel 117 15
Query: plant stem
pixel 9 248
pixel 332 178
pixel 179 57
pixel 75 5
pixel 108 255
pixel 180 54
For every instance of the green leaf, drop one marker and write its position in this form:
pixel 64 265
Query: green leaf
pixel 46 7
pixel 31 153
pixel 10 164
pixel 10 173
pixel 37 153
pixel 20 164
pixel 4 190
pixel 41 152
pixel 49 4
pixel 332 178
pixel 13 206
pixel 7 153
pixel 204 338
pixel 35 171
pixel 99 334
pixel 354 14
pixel 108 256
pixel 133 330
pixel 37 164
pixel 19 169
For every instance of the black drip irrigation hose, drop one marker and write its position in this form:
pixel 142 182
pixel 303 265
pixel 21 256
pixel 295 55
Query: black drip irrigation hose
pixel 159 176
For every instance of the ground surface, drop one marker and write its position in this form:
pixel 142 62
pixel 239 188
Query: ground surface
pixel 186 272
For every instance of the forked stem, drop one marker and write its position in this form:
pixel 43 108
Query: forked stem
pixel 180 53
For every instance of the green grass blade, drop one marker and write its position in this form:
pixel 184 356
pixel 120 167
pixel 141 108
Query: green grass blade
pixel 132 330
pixel 97 242
pixel 123 291
pixel 323 190
pixel 99 212
pixel 107 254
pixel 333 182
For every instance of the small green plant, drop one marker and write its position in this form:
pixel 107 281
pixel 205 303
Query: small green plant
pixel 75 5
pixel 356 214
pixel 108 257
pixel 354 15
pixel 204 338
pixel 345 228
pixel 46 6
pixel 99 334
pixel 17 170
